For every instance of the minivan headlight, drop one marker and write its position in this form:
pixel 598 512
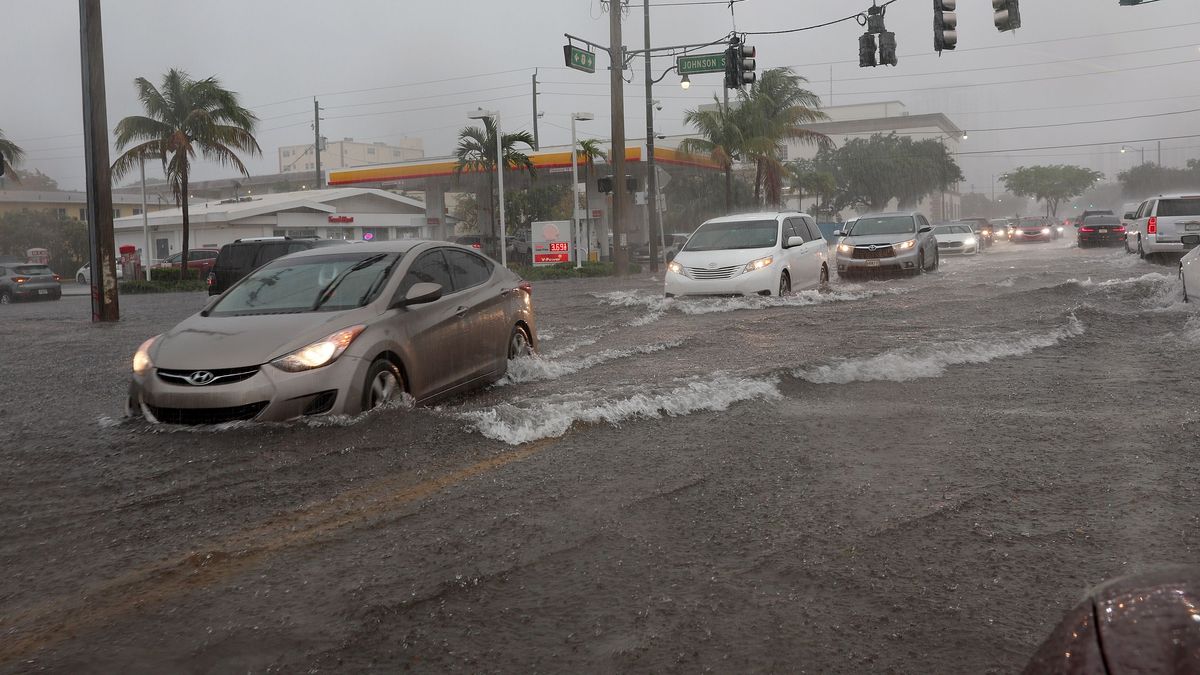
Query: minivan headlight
pixel 674 267
pixel 320 353
pixel 141 358
pixel 845 248
pixel 905 245
pixel 759 264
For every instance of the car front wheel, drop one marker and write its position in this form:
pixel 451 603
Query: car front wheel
pixel 81 279
pixel 785 284
pixel 383 383
pixel 519 345
pixel 5 298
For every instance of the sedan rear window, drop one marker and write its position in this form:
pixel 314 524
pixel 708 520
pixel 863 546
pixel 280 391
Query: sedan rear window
pixel 1179 207
pixel 33 270
pixel 734 235
pixel 309 284
pixel 866 227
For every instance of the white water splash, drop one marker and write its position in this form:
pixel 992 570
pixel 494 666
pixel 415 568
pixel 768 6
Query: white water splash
pixel 902 365
pixel 538 368
pixel 572 346
pixel 656 305
pixel 1191 331
pixel 535 420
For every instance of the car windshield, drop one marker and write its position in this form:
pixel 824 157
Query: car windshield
pixel 866 227
pixel 951 229
pixel 33 270
pixel 1101 220
pixel 722 236
pixel 309 283
pixel 1168 208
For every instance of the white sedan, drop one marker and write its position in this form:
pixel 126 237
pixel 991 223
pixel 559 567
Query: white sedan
pixel 1189 273
pixel 956 238
pixel 84 274
pixel 750 254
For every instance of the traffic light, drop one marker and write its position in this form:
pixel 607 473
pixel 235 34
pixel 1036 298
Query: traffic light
pixel 604 184
pixel 887 49
pixel 945 24
pixel 866 43
pixel 1008 14
pixel 731 67
pixel 740 64
pixel 866 51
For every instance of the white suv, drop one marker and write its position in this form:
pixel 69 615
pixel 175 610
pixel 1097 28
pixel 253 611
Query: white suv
pixel 1164 224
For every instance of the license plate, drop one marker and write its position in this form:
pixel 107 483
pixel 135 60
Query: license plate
pixel 1103 231
pixel 1193 227
pixel 43 292
pixel 872 263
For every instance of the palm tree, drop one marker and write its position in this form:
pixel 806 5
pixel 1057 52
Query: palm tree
pixel 185 118
pixel 774 111
pixel 476 152
pixel 11 155
pixel 588 152
pixel 722 139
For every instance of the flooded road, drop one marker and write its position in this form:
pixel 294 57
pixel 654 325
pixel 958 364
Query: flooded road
pixel 910 475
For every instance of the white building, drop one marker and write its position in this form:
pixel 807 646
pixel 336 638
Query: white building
pixel 339 213
pixel 347 153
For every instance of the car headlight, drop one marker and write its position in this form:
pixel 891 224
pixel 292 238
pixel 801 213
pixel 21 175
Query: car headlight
pixel 968 241
pixel 674 267
pixel 905 245
pixel 141 358
pixel 1045 230
pixel 845 248
pixel 320 353
pixel 1017 233
pixel 759 264
pixel 1060 228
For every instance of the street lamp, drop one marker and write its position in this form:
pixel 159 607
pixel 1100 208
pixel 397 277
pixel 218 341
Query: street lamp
pixel 494 115
pixel 576 117
pixel 686 83
pixel 1126 148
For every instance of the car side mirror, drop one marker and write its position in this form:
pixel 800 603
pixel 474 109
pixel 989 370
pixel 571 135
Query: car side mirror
pixel 795 241
pixel 1130 215
pixel 923 230
pixel 421 294
pixel 839 233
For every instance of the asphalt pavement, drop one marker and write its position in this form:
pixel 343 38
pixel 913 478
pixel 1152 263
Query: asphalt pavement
pixel 909 475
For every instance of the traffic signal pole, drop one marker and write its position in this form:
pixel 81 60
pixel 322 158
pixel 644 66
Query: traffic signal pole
pixel 102 253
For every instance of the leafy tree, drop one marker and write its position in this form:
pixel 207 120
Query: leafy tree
pixel 772 112
pixel 1151 179
pixel 524 207
pixel 694 198
pixel 587 153
pixel 1051 184
pixel 183 119
pixel 871 172
pixel 476 152
pixel 722 140
pixel 65 238
pixel 33 180
pixel 807 180
pixel 11 155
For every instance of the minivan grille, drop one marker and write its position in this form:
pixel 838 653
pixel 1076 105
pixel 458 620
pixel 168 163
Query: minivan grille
pixel 715 273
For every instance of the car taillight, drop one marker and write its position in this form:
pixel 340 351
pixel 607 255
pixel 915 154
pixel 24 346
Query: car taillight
pixel 211 279
pixel 1119 228
pixel 476 246
pixel 1087 229
pixel 57 278
pixel 1152 225
pixel 20 280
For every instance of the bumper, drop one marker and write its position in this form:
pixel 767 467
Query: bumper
pixel 1017 238
pixel 1153 245
pixel 759 282
pixel 270 395
pixel 1111 239
pixel 38 292
pixel 958 250
pixel 906 261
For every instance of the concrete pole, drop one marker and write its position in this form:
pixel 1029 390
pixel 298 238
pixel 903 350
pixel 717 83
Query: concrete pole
pixel 616 55
pixel 536 140
pixel 145 220
pixel 655 234
pixel 318 181
pixel 575 194
pixel 500 182
pixel 102 253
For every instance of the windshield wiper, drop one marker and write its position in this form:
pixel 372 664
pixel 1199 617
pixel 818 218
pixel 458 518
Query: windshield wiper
pixel 327 292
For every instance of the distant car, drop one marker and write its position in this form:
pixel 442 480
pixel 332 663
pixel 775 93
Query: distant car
pixel 83 275
pixel 887 242
pixel 827 231
pixel 1100 231
pixel 674 242
pixel 983 229
pixel 1034 229
pixel 957 238
pixel 338 330
pixel 750 254
pixel 28 281
pixel 1160 225
pixel 1000 229
pixel 243 256
pixel 1078 220
pixel 475 241
pixel 198 259
pixel 1189 272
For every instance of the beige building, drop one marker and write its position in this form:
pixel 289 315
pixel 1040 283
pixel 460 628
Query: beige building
pixel 72 204
pixel 348 153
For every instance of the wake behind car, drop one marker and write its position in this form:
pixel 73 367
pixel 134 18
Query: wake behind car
pixel 28 281
pixel 338 330
pixel 887 242
pixel 750 254
pixel 1100 231
pixel 957 238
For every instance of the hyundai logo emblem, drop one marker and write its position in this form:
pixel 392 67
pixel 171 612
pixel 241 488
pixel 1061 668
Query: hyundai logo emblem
pixel 200 378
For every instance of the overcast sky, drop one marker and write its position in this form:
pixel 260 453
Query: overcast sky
pixel 371 63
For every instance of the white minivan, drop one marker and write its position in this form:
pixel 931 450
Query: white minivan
pixel 1164 224
pixel 750 254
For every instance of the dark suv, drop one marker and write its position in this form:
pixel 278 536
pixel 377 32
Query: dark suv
pixel 28 281
pixel 243 256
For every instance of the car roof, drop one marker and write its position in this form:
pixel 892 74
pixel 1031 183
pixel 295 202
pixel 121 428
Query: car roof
pixel 1178 195
pixel 756 215
pixel 886 214
pixel 393 246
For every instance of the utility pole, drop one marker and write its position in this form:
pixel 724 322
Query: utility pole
pixel 99 178
pixel 319 182
pixel 536 141
pixel 1160 153
pixel 616 54
pixel 655 230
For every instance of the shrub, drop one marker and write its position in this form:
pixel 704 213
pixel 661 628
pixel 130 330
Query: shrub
pixel 138 287
pixel 169 274
pixel 568 271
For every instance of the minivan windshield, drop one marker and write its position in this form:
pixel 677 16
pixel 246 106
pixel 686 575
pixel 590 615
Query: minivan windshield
pixel 866 227
pixel 723 236
pixel 309 283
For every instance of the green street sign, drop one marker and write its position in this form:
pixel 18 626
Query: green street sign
pixel 701 63
pixel 579 59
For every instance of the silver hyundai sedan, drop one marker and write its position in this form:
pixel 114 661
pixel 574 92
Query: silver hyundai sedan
pixel 338 330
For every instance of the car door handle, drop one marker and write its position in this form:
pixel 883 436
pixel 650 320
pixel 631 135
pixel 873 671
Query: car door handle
pixel 461 311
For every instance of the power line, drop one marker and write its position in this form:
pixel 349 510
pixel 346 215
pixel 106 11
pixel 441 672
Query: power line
pixel 852 17
pixel 1079 145
pixel 1071 124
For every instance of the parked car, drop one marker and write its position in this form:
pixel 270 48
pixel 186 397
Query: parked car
pixel 83 275
pixel 957 238
pixel 982 227
pixel 28 281
pixel 1189 272
pixel 338 330
pixel 675 242
pixel 750 254
pixel 243 256
pixel 887 242
pixel 475 241
pixel 198 259
pixel 1034 229
pixel 1100 231
pixel 1159 225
